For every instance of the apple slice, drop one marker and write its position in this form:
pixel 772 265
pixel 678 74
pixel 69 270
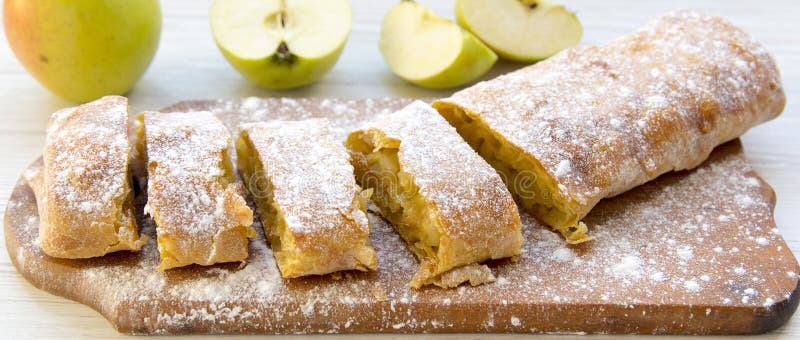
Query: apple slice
pixel 428 50
pixel 281 44
pixel 520 30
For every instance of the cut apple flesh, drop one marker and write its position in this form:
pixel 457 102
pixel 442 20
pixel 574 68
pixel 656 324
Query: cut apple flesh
pixel 520 30
pixel 257 29
pixel 418 44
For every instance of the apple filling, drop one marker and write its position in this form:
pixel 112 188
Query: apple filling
pixel 525 177
pixel 275 227
pixel 396 194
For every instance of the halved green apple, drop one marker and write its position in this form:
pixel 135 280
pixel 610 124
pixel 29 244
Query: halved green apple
pixel 520 30
pixel 428 50
pixel 281 44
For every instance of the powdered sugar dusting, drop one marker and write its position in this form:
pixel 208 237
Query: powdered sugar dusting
pixel 73 158
pixel 188 194
pixel 564 255
pixel 184 152
pixel 563 168
pixel 468 193
pixel 84 182
pixel 310 170
pixel 692 286
pixel 343 114
pixel 656 100
pixel 314 190
pixel 666 249
pixel 627 269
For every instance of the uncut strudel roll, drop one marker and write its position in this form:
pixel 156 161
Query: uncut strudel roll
pixel 192 195
pixel 595 121
pixel 83 192
pixel 447 203
pixel 313 212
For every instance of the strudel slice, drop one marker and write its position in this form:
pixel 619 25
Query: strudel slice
pixel 595 121
pixel 199 209
pixel 313 212
pixel 83 192
pixel 446 202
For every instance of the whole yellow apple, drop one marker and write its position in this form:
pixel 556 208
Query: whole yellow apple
pixel 84 49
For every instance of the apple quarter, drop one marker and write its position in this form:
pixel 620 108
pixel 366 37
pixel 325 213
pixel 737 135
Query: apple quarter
pixel 313 212
pixel 198 206
pixel 431 51
pixel 523 31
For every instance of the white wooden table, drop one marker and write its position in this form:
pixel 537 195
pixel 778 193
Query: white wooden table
pixel 189 66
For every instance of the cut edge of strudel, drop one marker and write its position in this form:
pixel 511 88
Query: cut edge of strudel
pixel 530 183
pixel 450 207
pixel 595 121
pixel 301 180
pixel 198 207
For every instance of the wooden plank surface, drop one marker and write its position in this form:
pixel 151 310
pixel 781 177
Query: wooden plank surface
pixel 188 66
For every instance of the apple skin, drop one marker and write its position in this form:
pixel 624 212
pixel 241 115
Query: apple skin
pixel 82 50
pixel 272 74
pixel 473 61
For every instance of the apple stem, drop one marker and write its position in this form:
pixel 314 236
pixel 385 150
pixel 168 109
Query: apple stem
pixel 284 55
pixel 532 4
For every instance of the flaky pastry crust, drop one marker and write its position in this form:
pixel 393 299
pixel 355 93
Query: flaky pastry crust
pixel 313 212
pixel 83 191
pixel 595 121
pixel 446 202
pixel 192 194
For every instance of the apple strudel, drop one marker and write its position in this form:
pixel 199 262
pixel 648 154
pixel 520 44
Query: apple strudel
pixel 447 203
pixel 198 206
pixel 83 192
pixel 595 121
pixel 301 179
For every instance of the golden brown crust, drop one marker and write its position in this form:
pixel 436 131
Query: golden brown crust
pixel 83 191
pixel 600 120
pixel 461 194
pixel 300 175
pixel 199 209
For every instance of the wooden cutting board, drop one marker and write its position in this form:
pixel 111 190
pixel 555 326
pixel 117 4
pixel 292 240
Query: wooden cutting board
pixel 693 252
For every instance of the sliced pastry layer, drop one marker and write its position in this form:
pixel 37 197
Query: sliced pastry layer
pixel 301 180
pixel 83 192
pixel 595 121
pixel 199 209
pixel 446 202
